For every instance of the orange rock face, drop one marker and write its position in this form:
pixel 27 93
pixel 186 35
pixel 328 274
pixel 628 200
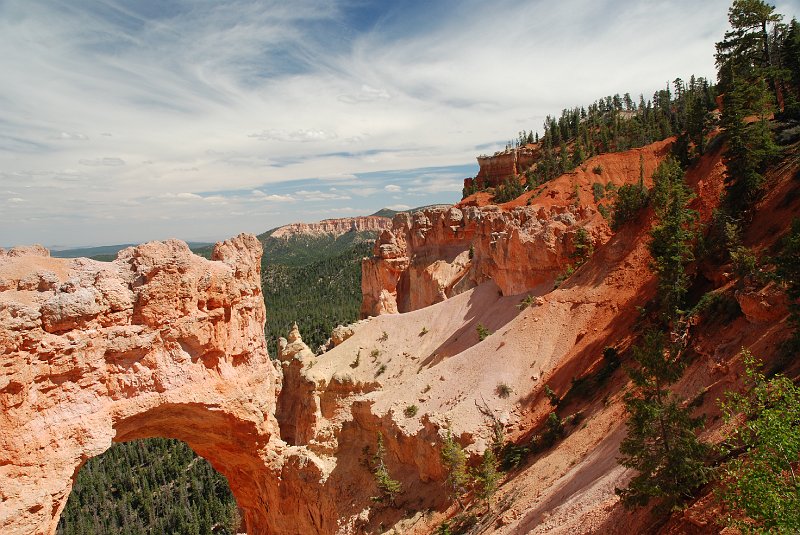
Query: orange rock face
pixel 158 343
pixel 523 245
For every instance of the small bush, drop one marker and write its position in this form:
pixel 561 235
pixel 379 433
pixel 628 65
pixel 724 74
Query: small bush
pixel 552 396
pixel 482 331
pixel 564 276
pixel 424 331
pixel 381 370
pixel 598 191
pixel 389 488
pixel 597 169
pixel 357 360
pixel 503 390
pixel 375 353
pixel 384 337
pixel 410 411
pixel 526 302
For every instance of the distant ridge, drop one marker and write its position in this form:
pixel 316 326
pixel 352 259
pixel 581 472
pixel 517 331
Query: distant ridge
pixel 108 252
pixel 334 227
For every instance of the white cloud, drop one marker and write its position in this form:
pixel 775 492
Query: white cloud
pixel 260 195
pixel 71 136
pixel 399 207
pixel 366 94
pixel 318 195
pixel 393 188
pixel 102 162
pixel 301 135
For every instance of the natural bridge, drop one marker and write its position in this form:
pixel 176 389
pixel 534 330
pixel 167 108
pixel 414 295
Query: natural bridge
pixel 159 343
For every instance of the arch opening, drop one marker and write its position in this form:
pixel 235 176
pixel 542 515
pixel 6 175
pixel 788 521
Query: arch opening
pixel 154 485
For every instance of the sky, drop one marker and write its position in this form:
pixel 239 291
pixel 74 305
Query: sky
pixel 124 121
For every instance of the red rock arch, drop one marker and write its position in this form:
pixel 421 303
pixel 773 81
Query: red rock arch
pixel 158 343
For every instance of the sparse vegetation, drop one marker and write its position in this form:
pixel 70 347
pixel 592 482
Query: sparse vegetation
pixel 526 302
pixel 564 276
pixel 454 461
pixel 381 370
pixel 483 332
pixel 424 331
pixel 551 396
pixel 384 337
pixel 503 390
pixel 357 360
pixel 486 477
pixel 598 191
pixel 388 488
pixel 597 169
pixel 410 411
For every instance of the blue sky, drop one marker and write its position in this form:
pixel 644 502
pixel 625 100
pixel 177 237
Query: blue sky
pixel 126 121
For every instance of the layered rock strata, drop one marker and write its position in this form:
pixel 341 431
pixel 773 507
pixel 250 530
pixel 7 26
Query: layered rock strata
pixel 335 227
pixel 434 254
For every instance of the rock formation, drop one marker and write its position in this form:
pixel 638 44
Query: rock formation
pixel 335 227
pixel 158 343
pixel 493 170
pixel 522 246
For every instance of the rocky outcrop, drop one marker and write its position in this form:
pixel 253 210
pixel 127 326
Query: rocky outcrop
pixel 493 170
pixel 335 227
pixel 158 343
pixel 523 245
pixel 434 254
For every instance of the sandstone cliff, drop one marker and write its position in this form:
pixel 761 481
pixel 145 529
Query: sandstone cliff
pixel 522 246
pixel 335 227
pixel 494 169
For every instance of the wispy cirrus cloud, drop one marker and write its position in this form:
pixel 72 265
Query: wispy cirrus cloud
pixel 111 110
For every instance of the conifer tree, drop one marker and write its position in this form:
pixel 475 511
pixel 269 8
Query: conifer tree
pixel 389 488
pixel 661 443
pixel 672 236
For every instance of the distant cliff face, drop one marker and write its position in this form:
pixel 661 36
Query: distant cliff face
pixel 336 227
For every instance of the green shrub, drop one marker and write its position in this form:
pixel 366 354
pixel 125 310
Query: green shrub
pixel 455 464
pixel 410 411
pixel 551 396
pixel 760 481
pixel 597 169
pixel 598 191
pixel 389 488
pixel 482 331
pixel 630 200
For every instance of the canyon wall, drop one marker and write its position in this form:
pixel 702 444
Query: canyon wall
pixel 523 245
